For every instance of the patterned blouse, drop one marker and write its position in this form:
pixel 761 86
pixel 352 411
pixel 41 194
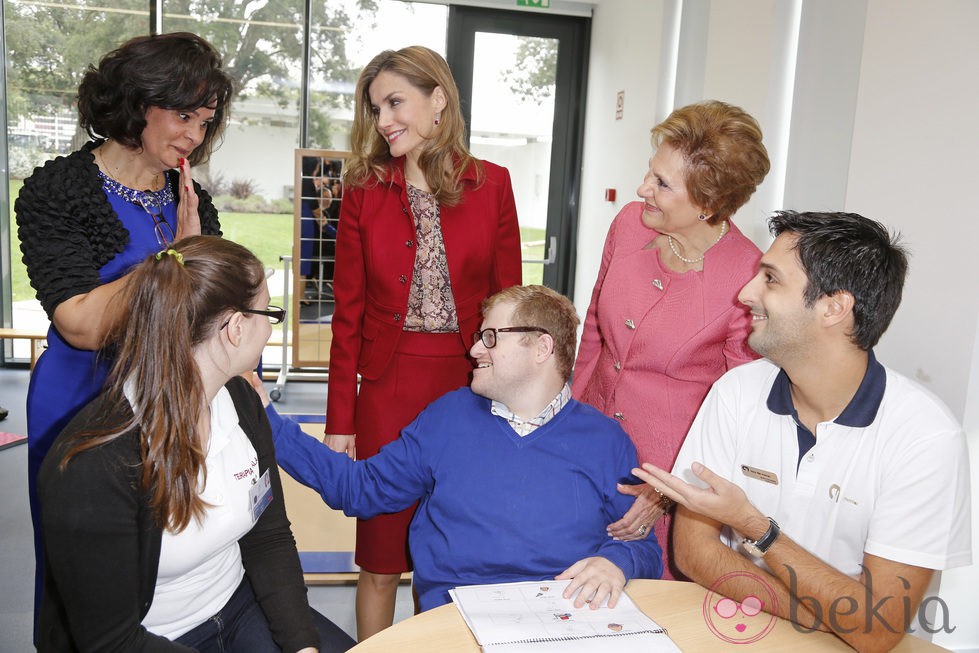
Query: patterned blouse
pixel 431 306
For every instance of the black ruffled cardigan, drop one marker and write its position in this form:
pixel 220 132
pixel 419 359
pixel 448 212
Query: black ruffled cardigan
pixel 68 230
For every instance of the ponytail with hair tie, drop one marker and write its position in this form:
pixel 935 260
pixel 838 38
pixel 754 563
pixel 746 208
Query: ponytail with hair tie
pixel 168 313
pixel 172 252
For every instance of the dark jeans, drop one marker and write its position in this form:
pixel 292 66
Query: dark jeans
pixel 241 627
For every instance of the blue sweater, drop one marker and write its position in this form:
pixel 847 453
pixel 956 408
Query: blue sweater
pixel 494 507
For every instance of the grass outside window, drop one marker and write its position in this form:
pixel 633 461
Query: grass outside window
pixel 267 235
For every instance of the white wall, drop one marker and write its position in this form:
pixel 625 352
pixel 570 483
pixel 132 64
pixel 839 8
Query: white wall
pixel 625 56
pixel 867 106
pixel 913 165
pixel 741 41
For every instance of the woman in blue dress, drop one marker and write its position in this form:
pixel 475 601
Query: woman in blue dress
pixel 154 107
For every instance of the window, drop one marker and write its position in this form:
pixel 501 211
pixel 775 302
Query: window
pixel 49 45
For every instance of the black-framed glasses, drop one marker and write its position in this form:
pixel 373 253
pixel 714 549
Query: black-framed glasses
pixel 150 203
pixel 275 314
pixel 488 336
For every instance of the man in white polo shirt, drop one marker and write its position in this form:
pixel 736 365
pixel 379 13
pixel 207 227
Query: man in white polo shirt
pixel 838 482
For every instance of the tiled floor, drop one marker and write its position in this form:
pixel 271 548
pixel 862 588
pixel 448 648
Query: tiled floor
pixel 16 548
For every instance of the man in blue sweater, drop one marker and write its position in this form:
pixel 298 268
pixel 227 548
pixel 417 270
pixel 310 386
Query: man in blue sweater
pixel 515 479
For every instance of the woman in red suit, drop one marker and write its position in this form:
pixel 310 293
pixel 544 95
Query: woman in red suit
pixel 426 233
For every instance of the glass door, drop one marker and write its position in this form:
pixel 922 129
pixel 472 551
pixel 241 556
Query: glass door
pixel 522 78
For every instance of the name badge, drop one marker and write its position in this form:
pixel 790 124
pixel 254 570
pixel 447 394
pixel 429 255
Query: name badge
pixel 260 495
pixel 759 474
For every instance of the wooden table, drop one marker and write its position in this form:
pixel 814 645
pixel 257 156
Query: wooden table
pixel 37 337
pixel 676 606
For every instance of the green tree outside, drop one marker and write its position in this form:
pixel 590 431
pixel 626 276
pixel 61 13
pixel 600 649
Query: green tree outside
pixel 262 45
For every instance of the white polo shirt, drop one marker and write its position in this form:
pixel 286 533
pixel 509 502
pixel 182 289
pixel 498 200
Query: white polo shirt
pixel 889 476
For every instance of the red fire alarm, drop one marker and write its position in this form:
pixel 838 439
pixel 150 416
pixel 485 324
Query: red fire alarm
pixel 609 194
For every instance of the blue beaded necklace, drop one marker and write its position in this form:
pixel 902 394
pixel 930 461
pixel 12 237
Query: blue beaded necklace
pixel 162 197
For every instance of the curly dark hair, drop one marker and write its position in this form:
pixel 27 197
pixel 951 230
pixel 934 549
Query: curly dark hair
pixel 170 71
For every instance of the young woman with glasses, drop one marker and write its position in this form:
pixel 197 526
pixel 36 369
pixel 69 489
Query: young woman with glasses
pixel 162 511
pixel 154 107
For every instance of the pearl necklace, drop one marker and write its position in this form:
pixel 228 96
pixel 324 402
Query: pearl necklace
pixel 691 261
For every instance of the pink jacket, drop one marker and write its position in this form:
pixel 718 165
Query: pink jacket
pixel 655 340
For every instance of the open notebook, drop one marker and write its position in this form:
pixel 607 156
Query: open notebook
pixel 534 617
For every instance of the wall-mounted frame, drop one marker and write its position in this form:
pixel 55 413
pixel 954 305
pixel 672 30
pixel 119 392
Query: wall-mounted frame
pixel 317 197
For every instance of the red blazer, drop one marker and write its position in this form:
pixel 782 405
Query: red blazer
pixel 374 264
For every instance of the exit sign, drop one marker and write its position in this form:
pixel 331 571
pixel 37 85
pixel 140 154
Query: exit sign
pixel 539 4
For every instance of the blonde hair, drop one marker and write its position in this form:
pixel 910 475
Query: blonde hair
pixel 445 157
pixel 722 147
pixel 542 307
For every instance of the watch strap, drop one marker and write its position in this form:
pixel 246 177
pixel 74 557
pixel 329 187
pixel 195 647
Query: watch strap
pixel 761 546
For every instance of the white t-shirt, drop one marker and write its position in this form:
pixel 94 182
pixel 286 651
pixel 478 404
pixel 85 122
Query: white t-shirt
pixel 200 567
pixel 896 486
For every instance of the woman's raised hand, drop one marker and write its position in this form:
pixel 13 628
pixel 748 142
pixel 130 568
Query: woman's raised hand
pixel 188 222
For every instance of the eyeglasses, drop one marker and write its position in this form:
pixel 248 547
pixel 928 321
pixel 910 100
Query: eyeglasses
pixel 488 336
pixel 275 314
pixel 151 204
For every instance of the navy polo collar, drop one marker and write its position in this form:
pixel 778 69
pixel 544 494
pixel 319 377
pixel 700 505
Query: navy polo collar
pixel 860 412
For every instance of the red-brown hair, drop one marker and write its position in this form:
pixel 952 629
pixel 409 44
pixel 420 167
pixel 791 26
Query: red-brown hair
pixel 722 147
pixel 548 309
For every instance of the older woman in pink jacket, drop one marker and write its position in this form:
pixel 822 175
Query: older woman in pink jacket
pixel 664 321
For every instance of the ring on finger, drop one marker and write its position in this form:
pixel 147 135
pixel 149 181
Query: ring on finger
pixel 642 530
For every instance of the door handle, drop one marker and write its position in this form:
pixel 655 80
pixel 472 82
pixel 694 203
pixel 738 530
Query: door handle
pixel 551 253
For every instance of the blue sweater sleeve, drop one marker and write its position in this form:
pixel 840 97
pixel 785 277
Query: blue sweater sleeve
pixel 638 558
pixel 388 482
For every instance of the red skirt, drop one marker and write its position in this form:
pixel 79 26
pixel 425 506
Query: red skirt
pixel 424 367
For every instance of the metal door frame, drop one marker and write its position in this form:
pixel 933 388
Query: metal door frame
pixel 573 34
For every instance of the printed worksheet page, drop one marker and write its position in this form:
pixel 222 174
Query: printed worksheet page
pixel 534 617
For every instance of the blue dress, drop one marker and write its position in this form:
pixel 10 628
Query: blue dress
pixel 75 236
pixel 65 378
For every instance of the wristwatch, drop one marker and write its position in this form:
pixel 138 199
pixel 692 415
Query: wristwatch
pixel 760 547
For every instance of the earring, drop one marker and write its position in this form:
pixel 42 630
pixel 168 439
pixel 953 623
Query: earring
pixel 437 118
pixel 702 217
